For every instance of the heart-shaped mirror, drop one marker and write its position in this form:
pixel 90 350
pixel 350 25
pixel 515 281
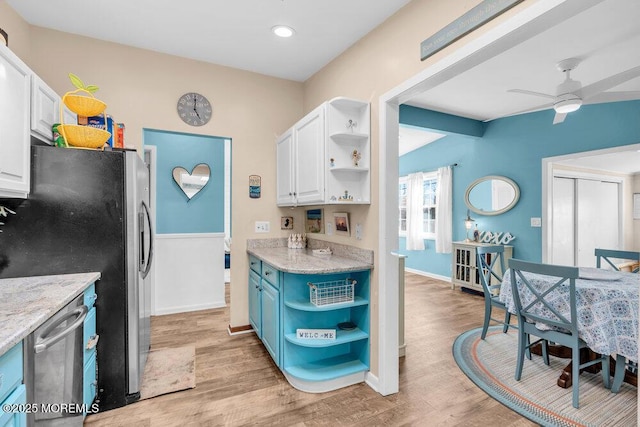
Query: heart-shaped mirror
pixel 192 183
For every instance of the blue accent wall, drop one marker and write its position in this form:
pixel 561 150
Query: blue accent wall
pixel 175 213
pixel 514 147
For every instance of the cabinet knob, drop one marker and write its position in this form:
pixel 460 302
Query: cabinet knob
pixel 266 273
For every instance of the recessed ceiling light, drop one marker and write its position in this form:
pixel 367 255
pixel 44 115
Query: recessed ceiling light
pixel 282 31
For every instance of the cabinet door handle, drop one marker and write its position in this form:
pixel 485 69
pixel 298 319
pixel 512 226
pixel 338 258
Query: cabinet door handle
pixel 266 273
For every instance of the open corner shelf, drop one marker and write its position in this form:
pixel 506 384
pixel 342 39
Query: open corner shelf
pixel 349 137
pixel 327 369
pixel 305 305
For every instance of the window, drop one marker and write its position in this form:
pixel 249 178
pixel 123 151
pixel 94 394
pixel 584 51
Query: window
pixel 429 186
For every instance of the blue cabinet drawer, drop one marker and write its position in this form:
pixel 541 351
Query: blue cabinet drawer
pixel 90 383
pixel 90 296
pixel 14 418
pixel 90 336
pixel 10 370
pixel 255 264
pixel 271 275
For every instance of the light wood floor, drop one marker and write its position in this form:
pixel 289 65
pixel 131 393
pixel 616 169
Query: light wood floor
pixel 239 385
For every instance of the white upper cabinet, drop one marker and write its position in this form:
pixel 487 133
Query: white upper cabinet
pixel 325 157
pixel 284 169
pixel 15 81
pixel 299 154
pixel 309 151
pixel 45 109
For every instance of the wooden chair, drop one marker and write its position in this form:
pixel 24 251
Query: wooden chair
pixel 622 364
pixel 490 265
pixel 564 330
pixel 609 254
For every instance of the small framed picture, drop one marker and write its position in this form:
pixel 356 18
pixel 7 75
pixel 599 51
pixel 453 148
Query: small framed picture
pixel 286 223
pixel 314 222
pixel 341 222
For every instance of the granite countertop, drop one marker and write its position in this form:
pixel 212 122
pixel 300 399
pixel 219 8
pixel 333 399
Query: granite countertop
pixel 304 261
pixel 27 302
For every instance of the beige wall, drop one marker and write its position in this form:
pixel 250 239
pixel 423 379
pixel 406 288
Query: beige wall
pixel 141 89
pixel 18 30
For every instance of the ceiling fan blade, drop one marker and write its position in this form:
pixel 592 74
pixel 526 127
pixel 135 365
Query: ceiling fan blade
pixel 609 82
pixel 559 118
pixel 613 97
pixel 530 92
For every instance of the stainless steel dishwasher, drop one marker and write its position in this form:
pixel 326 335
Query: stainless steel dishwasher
pixel 53 368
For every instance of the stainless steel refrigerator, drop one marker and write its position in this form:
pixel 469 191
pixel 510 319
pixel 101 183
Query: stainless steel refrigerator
pixel 87 211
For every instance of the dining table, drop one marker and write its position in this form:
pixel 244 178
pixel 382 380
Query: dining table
pixel 606 304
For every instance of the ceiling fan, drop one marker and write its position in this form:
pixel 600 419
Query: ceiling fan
pixel 570 95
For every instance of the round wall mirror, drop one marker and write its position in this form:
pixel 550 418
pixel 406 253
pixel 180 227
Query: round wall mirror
pixel 492 195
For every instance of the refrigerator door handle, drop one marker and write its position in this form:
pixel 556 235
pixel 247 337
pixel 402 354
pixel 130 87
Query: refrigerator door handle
pixel 145 267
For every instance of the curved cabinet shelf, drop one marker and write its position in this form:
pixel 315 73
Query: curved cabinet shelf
pixel 327 369
pixel 303 305
pixel 349 137
pixel 342 337
pixel 349 169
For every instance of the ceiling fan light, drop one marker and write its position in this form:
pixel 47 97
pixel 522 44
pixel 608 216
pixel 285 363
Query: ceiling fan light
pixel 567 105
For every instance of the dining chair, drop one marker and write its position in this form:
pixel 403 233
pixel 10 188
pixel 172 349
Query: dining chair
pixel 534 307
pixel 609 254
pixel 622 363
pixel 490 266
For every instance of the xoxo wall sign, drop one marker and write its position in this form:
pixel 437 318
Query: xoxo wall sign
pixel 501 238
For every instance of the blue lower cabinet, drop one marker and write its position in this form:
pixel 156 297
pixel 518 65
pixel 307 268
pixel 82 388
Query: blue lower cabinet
pixel 90 342
pixel 255 303
pixel 14 418
pixel 280 304
pixel 271 320
pixel 90 383
pixel 12 391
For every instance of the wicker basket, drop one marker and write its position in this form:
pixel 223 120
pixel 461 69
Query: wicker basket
pixel 83 136
pixel 84 105
pixel 333 292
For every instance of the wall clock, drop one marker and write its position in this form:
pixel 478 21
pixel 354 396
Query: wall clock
pixel 194 109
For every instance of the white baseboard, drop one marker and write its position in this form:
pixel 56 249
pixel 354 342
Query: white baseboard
pixel 186 308
pixel 372 381
pixel 247 331
pixel 426 274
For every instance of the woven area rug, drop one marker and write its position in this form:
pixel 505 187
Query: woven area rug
pixel 491 363
pixel 168 370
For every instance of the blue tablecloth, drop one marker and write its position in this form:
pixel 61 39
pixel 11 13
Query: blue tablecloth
pixel 607 306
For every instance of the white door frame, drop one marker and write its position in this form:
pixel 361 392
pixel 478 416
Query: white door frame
pixel 153 157
pixel 540 16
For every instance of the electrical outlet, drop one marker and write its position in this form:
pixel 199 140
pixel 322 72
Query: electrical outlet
pixel 262 226
pixel 329 228
pixel 536 222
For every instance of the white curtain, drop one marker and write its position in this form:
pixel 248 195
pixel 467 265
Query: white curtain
pixel 444 213
pixel 415 216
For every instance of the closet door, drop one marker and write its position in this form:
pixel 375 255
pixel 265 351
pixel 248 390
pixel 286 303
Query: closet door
pixel 597 219
pixel 563 221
